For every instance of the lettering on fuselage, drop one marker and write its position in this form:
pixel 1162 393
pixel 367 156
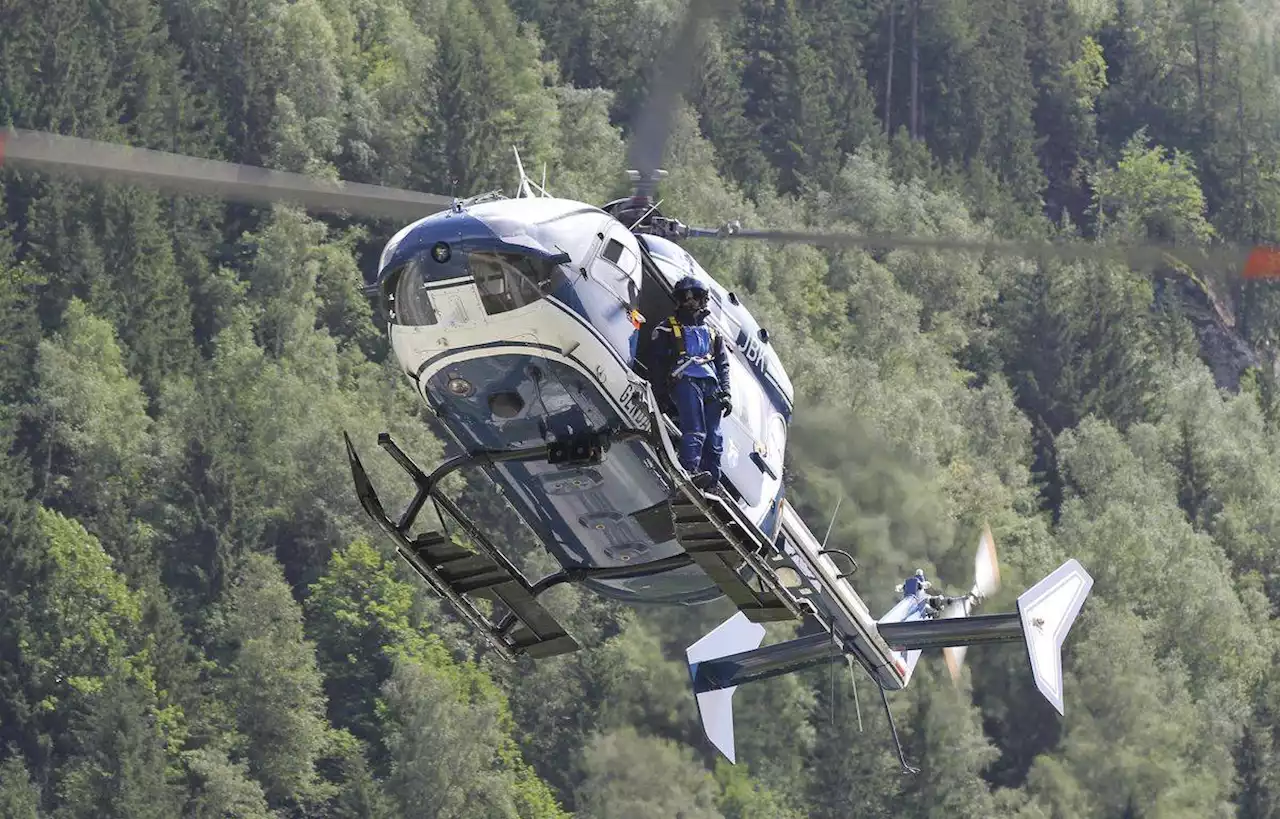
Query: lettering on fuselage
pixel 752 350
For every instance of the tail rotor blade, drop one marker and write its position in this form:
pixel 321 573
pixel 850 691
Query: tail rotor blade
pixel 986 567
pixel 957 607
pixel 954 658
pixel 986 581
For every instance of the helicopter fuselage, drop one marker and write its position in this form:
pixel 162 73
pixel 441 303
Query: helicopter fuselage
pixel 514 321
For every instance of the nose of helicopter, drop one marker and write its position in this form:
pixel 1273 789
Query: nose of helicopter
pixel 439 236
pixel 455 269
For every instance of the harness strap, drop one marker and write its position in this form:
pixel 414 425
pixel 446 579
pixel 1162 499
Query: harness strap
pixel 682 352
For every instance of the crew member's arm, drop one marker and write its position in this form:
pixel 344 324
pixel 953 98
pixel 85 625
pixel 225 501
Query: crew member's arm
pixel 661 352
pixel 722 365
pixel 722 375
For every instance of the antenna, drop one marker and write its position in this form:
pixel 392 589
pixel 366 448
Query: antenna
pixel 832 524
pixel 544 180
pixel 645 215
pixel 524 180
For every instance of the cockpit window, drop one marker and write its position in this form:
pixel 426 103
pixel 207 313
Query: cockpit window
pixel 505 281
pixel 405 298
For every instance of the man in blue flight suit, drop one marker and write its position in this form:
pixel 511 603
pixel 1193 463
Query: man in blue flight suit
pixel 693 358
pixel 914 584
pixel 917 587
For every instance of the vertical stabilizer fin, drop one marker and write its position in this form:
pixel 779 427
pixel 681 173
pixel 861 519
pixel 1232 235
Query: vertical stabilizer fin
pixel 1047 611
pixel 715 708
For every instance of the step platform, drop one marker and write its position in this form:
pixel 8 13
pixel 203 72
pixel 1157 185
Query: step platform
pixel 459 574
pixel 724 543
pixel 731 554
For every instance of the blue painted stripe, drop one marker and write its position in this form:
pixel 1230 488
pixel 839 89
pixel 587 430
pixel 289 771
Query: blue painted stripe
pixel 568 311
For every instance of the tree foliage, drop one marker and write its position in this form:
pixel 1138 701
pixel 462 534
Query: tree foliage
pixel 194 621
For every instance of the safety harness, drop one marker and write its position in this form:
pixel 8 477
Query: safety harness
pixel 686 360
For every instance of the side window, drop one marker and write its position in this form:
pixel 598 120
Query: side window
pixel 405 299
pixel 617 268
pixel 620 256
pixel 729 326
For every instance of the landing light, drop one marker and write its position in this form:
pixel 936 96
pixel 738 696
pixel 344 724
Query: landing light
pixel 460 387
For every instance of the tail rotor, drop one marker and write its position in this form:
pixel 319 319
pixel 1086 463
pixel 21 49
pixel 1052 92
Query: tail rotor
pixel 986 582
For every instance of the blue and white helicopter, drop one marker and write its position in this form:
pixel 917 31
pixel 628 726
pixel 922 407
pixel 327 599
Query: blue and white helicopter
pixel 522 324
pixel 518 322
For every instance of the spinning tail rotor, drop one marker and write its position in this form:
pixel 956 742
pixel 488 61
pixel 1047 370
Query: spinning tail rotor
pixel 986 581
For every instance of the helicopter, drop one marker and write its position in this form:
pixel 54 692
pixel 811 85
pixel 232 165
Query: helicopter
pixel 517 322
pixel 521 322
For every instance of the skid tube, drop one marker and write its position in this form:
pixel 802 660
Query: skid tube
pixel 526 628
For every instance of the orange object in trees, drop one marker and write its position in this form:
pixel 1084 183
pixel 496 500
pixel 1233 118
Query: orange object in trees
pixel 1263 263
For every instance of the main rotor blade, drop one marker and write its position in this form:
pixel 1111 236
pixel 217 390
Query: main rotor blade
pixel 103 161
pixel 1258 262
pixel 674 71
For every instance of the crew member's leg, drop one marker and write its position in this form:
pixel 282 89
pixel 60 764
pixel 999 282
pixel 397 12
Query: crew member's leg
pixel 688 400
pixel 713 447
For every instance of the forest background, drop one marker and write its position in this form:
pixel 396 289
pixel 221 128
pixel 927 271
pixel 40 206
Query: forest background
pixel 196 620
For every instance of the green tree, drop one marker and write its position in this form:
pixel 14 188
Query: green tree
pixel 451 755
pixel 97 434
pixel 19 329
pixel 217 787
pixel 1150 195
pixel 742 798
pixel 19 798
pixel 273 685
pixel 121 764
pixel 487 96
pixel 359 614
pixel 632 776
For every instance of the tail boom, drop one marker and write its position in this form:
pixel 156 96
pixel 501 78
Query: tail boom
pixel 955 631
pixel 731 654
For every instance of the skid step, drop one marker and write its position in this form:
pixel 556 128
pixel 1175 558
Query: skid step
pixel 730 566
pixel 725 544
pixel 457 573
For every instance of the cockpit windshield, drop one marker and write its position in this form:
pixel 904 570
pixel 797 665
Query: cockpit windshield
pixel 508 280
pixel 505 281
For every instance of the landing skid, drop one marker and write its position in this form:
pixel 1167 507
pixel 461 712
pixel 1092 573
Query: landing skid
pixel 455 572
pixel 714 533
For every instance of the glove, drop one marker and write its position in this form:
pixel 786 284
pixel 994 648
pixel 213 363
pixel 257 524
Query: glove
pixel 726 406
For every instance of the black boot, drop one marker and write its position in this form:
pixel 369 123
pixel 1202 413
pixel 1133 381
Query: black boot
pixel 702 480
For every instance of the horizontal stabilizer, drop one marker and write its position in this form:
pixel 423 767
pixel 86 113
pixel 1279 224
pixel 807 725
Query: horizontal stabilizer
pixel 715 708
pixel 1047 611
